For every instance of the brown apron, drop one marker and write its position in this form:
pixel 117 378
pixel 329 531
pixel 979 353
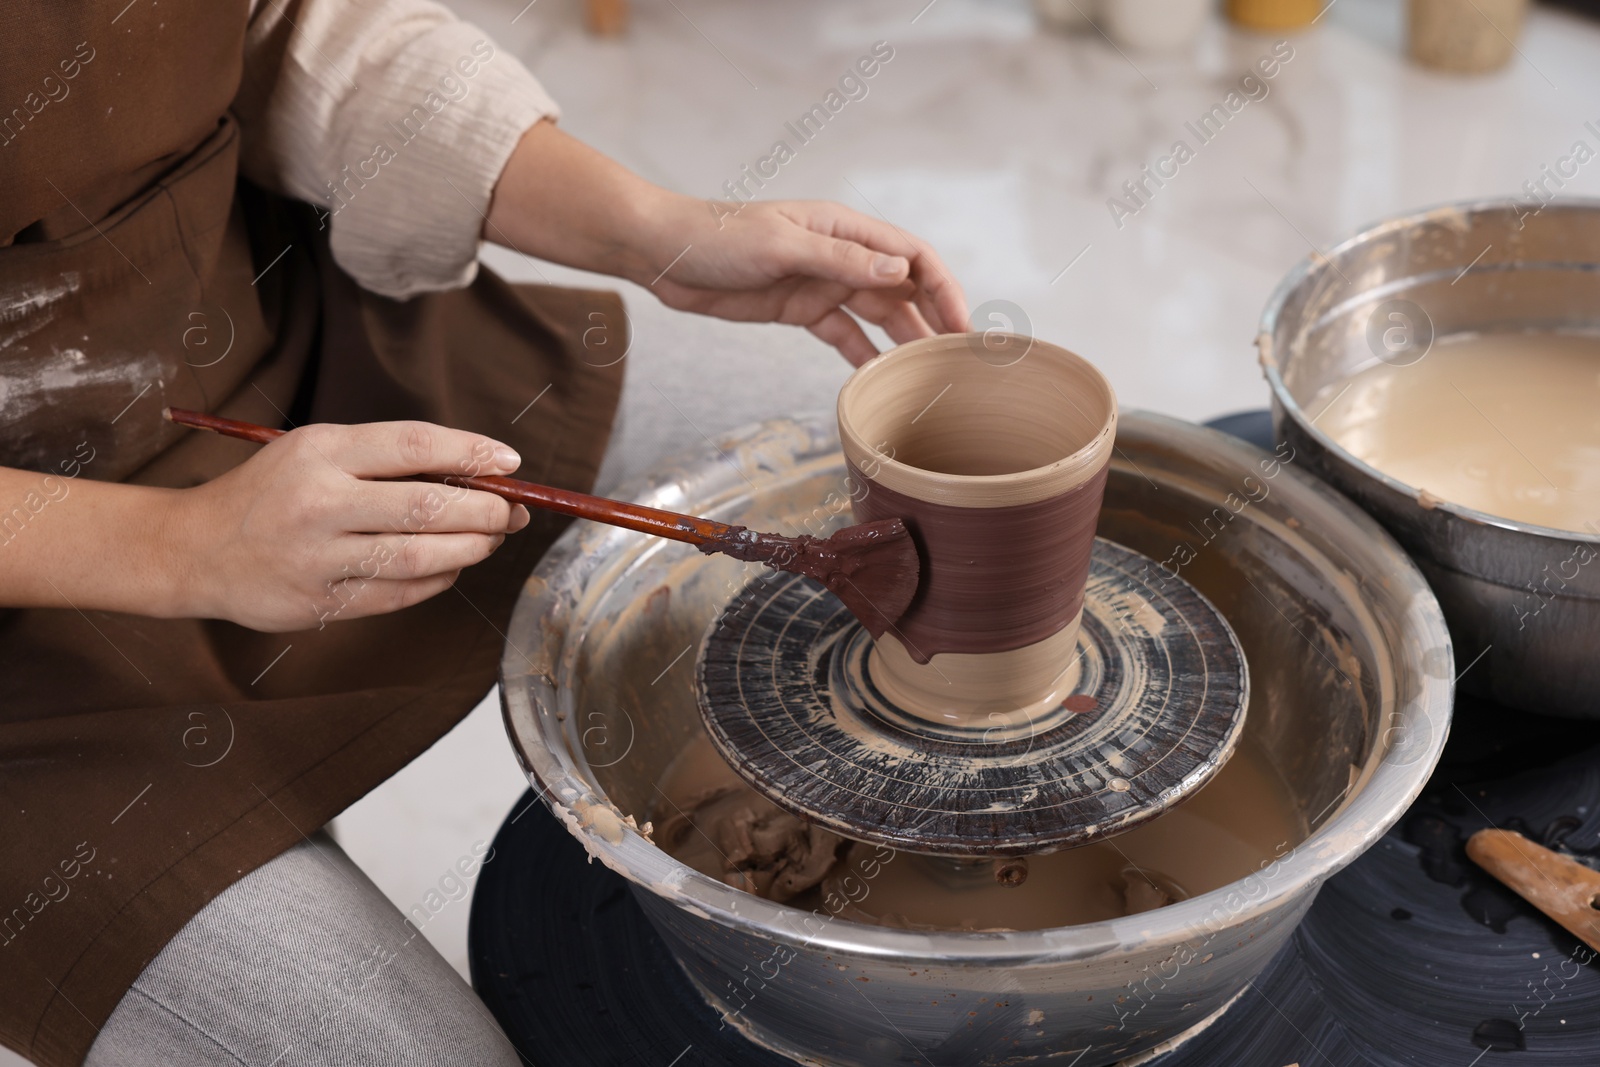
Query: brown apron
pixel 147 764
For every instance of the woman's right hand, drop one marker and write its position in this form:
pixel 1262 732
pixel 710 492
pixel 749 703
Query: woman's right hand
pixel 302 533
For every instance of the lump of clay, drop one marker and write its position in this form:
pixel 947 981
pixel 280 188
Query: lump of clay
pixel 732 833
pixel 1148 890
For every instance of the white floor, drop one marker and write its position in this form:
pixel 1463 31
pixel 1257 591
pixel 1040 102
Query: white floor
pixel 1001 144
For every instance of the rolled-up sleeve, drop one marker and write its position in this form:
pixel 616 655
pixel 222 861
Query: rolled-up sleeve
pixel 394 117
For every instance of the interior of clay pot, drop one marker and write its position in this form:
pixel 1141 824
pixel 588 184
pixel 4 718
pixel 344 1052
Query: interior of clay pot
pixel 941 407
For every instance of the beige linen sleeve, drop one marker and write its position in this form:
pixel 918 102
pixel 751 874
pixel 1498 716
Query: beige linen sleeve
pixel 393 117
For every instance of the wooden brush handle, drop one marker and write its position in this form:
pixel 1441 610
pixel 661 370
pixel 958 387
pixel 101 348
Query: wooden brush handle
pixel 1557 885
pixel 669 524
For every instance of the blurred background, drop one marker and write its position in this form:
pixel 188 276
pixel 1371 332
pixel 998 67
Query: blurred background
pixel 1004 132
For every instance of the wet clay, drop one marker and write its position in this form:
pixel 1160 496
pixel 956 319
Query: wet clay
pixel 1240 822
pixel 871 567
pixel 997 468
pixel 709 819
pixel 1507 424
pixel 996 578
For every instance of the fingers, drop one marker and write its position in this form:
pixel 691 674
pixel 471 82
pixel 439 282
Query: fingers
pixel 939 296
pixel 399 557
pixel 901 320
pixel 357 598
pixel 386 573
pixel 427 507
pixel 849 263
pixel 838 329
pixel 389 572
pixel 397 449
pixel 818 259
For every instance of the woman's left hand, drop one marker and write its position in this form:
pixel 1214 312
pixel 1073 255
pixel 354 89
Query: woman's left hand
pixel 806 263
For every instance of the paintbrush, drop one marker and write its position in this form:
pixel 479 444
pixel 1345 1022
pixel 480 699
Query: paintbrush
pixel 872 568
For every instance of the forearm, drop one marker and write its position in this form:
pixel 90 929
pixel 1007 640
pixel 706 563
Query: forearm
pixel 72 542
pixel 807 263
pixel 560 200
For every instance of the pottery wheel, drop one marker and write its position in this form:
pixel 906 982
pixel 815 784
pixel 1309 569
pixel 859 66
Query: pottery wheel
pixel 1157 709
pixel 1411 955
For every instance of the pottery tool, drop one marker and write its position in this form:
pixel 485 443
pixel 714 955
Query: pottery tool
pixel 872 568
pixel 1157 709
pixel 1557 885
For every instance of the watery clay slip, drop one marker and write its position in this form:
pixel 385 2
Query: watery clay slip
pixel 1505 424
pixel 997 468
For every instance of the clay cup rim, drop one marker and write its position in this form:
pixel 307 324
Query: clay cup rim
pixel 1057 402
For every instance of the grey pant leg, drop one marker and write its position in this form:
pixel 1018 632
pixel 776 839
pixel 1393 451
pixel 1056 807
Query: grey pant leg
pixel 302 963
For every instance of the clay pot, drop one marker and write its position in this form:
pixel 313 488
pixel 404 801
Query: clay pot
pixel 993 449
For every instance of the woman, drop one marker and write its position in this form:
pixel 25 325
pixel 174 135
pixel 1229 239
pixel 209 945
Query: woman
pixel 271 211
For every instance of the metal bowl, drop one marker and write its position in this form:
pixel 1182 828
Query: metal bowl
pixel 1526 598
pixel 1350 695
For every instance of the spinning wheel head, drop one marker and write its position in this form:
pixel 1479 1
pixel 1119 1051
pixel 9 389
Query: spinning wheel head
pixel 787 697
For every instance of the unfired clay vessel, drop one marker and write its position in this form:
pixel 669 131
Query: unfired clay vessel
pixel 994 452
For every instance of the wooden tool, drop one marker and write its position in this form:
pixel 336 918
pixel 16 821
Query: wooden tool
pixel 1557 885
pixel 873 568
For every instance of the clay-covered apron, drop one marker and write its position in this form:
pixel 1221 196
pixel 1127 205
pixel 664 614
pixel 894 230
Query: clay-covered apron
pixel 147 764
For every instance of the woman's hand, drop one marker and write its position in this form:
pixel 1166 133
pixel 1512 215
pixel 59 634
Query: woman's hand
pixel 301 534
pixel 298 535
pixel 808 263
